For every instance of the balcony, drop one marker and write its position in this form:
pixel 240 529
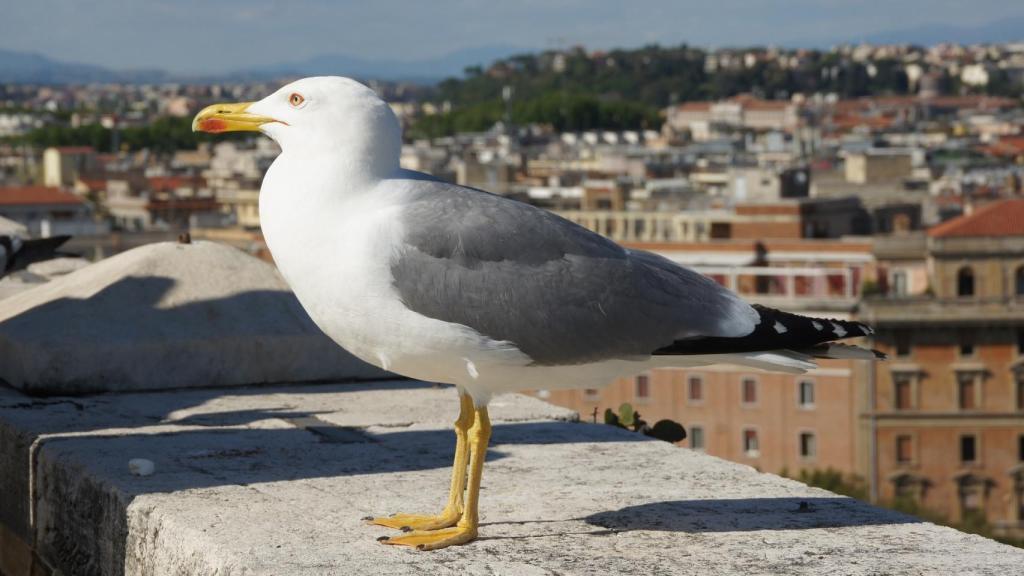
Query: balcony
pixel 791 288
pixel 644 226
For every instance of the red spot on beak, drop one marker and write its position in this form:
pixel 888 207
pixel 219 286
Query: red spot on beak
pixel 213 125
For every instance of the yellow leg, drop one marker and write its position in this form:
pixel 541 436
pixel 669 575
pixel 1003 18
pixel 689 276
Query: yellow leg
pixel 466 528
pixel 453 510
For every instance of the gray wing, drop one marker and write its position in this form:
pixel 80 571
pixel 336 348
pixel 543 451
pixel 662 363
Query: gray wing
pixel 559 292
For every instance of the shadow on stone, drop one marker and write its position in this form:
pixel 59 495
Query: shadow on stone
pixel 166 316
pixel 193 458
pixel 747 514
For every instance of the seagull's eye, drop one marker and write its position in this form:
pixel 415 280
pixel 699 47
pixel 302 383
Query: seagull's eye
pixel 296 99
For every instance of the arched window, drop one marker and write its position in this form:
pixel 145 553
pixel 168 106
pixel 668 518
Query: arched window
pixel 1019 283
pixel 965 282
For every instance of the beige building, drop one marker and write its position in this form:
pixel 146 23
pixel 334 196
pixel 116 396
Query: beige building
pixel 699 119
pixel 943 420
pixel 773 422
pixel 879 165
pixel 63 165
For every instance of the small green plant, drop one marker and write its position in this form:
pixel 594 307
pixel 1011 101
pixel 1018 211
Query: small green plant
pixel 835 481
pixel 628 418
pixel 870 288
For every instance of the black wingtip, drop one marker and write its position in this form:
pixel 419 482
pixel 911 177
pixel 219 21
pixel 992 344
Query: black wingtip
pixel 776 330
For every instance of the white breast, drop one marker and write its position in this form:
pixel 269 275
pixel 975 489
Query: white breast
pixel 334 250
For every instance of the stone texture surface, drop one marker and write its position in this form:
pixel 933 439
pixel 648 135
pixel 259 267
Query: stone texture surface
pixel 38 273
pixel 275 480
pixel 164 315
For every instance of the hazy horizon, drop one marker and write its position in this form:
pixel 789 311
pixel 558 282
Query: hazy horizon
pixel 193 37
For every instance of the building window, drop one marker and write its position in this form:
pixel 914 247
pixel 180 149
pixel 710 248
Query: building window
pixel 1020 448
pixel 749 390
pixel 751 447
pixel 967 390
pixel 903 391
pixel 643 387
pixel 972 495
pixel 697 437
pixel 1020 341
pixel 968 449
pixel 966 346
pixel 904 449
pixel 805 394
pixel 808 445
pixel 970 499
pixel 899 283
pixel 1019 281
pixel 965 282
pixel 903 343
pixel 695 389
pixel 907 487
pixel 591 394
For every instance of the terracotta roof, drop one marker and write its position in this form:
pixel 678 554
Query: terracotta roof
pixel 23 195
pixel 767 105
pixel 182 204
pixel 94 184
pixel 975 101
pixel 169 183
pixel 694 107
pixel 1005 218
pixel 1006 146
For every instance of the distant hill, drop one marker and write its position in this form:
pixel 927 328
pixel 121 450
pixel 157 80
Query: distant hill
pixel 424 70
pixel 30 67
pixel 999 31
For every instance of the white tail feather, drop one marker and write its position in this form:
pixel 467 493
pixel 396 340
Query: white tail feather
pixel 786 361
pixel 845 351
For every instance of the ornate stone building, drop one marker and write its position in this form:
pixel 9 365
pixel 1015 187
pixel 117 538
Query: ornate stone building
pixel 943 420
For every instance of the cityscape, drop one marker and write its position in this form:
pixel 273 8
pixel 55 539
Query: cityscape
pixel 881 183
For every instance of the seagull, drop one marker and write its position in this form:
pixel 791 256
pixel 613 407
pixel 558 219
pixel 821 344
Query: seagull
pixel 451 284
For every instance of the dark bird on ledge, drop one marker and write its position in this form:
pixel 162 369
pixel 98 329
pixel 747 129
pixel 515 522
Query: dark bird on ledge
pixel 17 254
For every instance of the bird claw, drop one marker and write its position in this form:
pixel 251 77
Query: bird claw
pixel 410 522
pixel 433 539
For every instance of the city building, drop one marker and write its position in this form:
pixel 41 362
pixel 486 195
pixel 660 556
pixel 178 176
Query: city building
pixel 63 165
pixel 879 165
pixel 48 211
pixel 942 422
pixel 703 120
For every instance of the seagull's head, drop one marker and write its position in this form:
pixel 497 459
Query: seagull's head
pixel 321 115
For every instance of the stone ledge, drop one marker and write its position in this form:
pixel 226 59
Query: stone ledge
pixel 275 480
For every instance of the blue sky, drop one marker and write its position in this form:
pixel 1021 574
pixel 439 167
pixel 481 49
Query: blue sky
pixel 194 36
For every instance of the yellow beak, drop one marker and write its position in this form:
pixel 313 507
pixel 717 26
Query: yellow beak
pixel 228 118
